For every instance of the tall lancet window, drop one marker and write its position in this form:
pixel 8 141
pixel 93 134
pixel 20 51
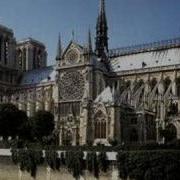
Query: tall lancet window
pixel 167 83
pixel 6 47
pixel 34 58
pixel 153 83
pixel 19 54
pixel 39 57
pixel 178 86
pixel 24 60
pixel 100 126
pixel 0 47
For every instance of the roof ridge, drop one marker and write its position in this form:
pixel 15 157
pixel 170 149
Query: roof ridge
pixel 151 46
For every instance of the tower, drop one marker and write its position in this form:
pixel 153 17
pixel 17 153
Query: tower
pixel 31 54
pixel 101 32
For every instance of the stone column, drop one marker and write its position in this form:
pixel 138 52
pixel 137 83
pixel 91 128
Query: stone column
pixel 60 135
pixel 83 126
pixel 39 106
pixel 22 106
pixel 30 108
pixel 112 124
pixel 47 106
pixel 27 59
pixel 74 137
pixel 174 89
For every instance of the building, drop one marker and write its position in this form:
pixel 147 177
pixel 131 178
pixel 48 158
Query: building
pixel 97 96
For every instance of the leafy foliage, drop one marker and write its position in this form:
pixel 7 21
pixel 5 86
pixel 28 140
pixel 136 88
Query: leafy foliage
pixel 75 163
pixel 12 120
pixel 42 124
pixel 52 159
pixel 148 165
pixel 28 160
pixel 103 161
pixel 92 163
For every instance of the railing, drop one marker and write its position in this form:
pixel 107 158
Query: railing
pixel 160 45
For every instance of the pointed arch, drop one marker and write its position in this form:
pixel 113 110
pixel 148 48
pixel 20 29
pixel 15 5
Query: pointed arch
pixel 178 86
pixel 166 82
pixel 153 83
pixel 100 125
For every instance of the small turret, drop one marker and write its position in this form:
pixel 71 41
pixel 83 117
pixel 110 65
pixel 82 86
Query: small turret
pixel 59 49
pixel 90 49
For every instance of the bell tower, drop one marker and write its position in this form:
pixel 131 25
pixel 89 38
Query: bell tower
pixel 101 32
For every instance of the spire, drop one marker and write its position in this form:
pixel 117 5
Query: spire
pixel 73 35
pixel 59 49
pixel 89 41
pixel 101 31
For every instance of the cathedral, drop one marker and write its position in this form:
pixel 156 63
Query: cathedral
pixel 98 96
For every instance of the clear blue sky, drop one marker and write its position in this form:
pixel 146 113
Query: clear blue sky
pixel 130 21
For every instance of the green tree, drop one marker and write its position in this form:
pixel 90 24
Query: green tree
pixel 12 120
pixel 92 163
pixel 103 161
pixel 52 159
pixel 42 124
pixel 27 159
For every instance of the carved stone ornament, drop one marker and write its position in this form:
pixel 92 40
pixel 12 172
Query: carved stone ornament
pixel 72 86
pixel 72 56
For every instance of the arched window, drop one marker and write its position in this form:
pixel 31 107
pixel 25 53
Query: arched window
pixel 24 59
pixel 152 83
pixel 19 54
pixel 178 86
pixel 133 135
pixel 100 126
pixel 167 82
pixel 6 49
pixel 127 83
pixel 34 58
pixel 66 137
pixel 39 57
pixel 138 84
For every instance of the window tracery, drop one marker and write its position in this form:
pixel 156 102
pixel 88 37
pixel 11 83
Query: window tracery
pixel 72 56
pixel 100 126
pixel 72 86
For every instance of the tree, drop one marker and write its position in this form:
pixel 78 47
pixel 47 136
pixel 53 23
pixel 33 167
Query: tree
pixel 42 124
pixel 103 161
pixel 92 163
pixel 12 120
pixel 27 159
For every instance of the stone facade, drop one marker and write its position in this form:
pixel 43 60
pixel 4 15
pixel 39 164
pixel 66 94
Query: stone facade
pixel 126 95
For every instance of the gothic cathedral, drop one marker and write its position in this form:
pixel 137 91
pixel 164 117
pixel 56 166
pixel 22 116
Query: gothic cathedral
pixel 97 96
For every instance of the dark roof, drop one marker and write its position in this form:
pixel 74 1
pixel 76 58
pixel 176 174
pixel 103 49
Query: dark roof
pixel 6 29
pixel 30 40
pixel 159 45
pixel 38 76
